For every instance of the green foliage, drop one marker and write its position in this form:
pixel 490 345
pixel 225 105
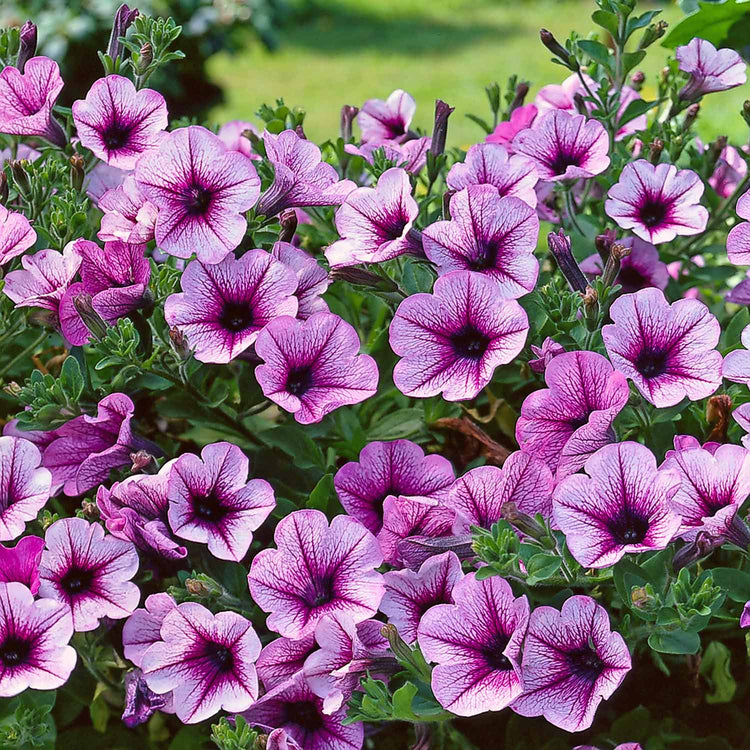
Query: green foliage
pixel 712 21
pixel 25 721
pixel 236 736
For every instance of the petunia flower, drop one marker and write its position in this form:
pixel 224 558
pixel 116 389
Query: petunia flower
pixel 657 202
pixel 491 164
pixel 452 340
pixel 206 661
pixel 20 564
pixel 738 239
pixel 641 269
pixel 316 570
pixel 386 469
pixel 476 644
pixel 118 123
pixel 312 278
pixel 564 147
pixel 668 351
pixel 24 485
pixel 520 119
pixel 312 367
pixel 387 120
pixel 489 234
pixel 128 216
pixel 729 171
pixel 103 178
pixel 143 628
pixel 301 177
pixel 545 354
pixel 745 617
pixel 34 638
pixel 201 190
pixel 565 423
pixel 571 662
pixel 212 502
pixel 294 708
pixel 282 658
pixel 623 506
pixel 409 594
pixel 231 133
pixel 411 156
pixel 16 235
pixel 480 494
pixel 375 224
pixel 88 571
pixel 710 69
pixel 26 100
pixel 223 306
pixel 714 485
pixel 140 701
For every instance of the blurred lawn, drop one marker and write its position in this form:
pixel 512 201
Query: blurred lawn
pixel 352 50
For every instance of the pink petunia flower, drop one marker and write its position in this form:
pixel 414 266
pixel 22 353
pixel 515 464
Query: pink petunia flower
pixel 20 564
pixel 312 278
pixel 738 239
pixel 128 216
pixel 16 235
pixel 411 156
pixel 282 658
pixel 231 133
pixel 710 69
pixel 545 354
pixel 387 120
pixel 520 119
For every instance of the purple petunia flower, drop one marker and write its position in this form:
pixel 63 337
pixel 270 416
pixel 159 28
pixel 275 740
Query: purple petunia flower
pixel 201 190
pixel 136 510
pixel 565 423
pixel 520 119
pixel 140 702
pixel 623 506
pixel 128 216
pixel 411 156
pixel 312 279
pixel 316 570
pixel 481 493
pixel 399 467
pixel 206 661
pixel 668 351
pixel 710 69
pixel 20 564
pixel 641 269
pixel 118 123
pixel 491 235
pixel 282 658
pixel 16 235
pixel 89 572
pixel 409 594
pixel 387 120
pixel 24 485
pixel 26 100
pixel 729 171
pixel 87 448
pixel 375 224
pixel 224 306
pixel 545 354
pixel 212 502
pixel 476 644
pixel 657 202
pixel 491 164
pixel 714 485
pixel 736 365
pixel 745 617
pixel 143 628
pixel 571 662
pixel 301 177
pixel 564 147
pixel 452 340
pixel 34 637
pixel 738 240
pixel 232 134
pixel 312 367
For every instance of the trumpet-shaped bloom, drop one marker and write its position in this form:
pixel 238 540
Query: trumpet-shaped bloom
pixel 396 468
pixel 143 628
pixel 16 235
pixel 492 164
pixel 312 279
pixel 623 506
pixel 24 485
pixel 476 644
pixel 212 502
pixel 118 123
pixel 710 69
pixel 668 351
pixel 488 234
pixel 26 100
pixel 88 571
pixel 375 224
pixel 480 494
pixel 738 239
pixel 387 120
pixel 128 216
pixel 20 564
pixel 565 423
pixel 571 662
pixel 34 637
pixel 410 156
pixel 231 133
pixel 282 658
pixel 312 367
pixel 657 202
pixel 201 190
pixel 206 661
pixel 729 171
pixel 640 269
pixel 410 594
pixel 520 119
pixel 564 147
pixel 316 570
pixel 452 340
pixel 222 307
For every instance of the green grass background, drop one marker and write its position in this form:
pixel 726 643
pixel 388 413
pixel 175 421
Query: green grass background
pixel 351 50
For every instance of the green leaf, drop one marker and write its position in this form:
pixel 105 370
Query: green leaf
pixel 597 51
pixel 606 20
pixel 402 700
pixel 320 496
pixel 402 423
pixel 542 566
pixel 99 709
pixel 71 378
pixel 715 670
pixel 712 21
pixel 735 582
pixel 297 444
pixel 674 642
pixel 636 108
pixel 631 59
pixel 640 22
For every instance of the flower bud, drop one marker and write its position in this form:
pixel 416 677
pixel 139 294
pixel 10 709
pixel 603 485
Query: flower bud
pixel 522 521
pixel 179 343
pixel 27 49
pixel 718 411
pixel 21 177
pixel 348 113
pixel 549 41
pixel 3 189
pixel 738 533
pixel 691 552
pixel 447 195
pixel 300 131
pixel 652 33
pixel 90 317
pixel 691 115
pixel 89 510
pixel 362 277
pixel 590 301
pixel 124 16
pixel 522 89
pixel 145 58
pixel 655 149
pixel 559 246
pixel 288 222
pixel 140 460
pixel 77 172
pixel 637 80
pixel 616 253
pixel 440 128
pixel 194 587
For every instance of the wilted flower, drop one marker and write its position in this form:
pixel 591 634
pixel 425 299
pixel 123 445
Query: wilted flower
pixel 140 702
pixel 387 120
pixel 710 69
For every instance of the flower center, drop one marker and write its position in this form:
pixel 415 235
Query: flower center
pixel 14 651
pixel 487 258
pixel 77 581
pixel 629 278
pixel 209 508
pixel 628 528
pixel 470 343
pixel 115 135
pixel 586 663
pixel 236 316
pixel 493 653
pixel 320 591
pixel 653 213
pixel 651 363
pixel 299 381
pixel 304 714
pixel 220 656
pixel 197 200
pixel 562 161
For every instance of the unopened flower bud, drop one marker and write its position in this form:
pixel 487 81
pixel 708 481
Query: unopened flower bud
pixel 90 317
pixel 348 113
pixel 637 80
pixel 27 50
pixel 580 104
pixel 179 343
pixel 300 131
pixel 288 223
pixel 145 58
pixel 603 242
pixel 21 177
pixel 549 41
pixel 440 128
pixel 124 16
pixel 522 521
pixel 89 510
pixel 691 115
pixel 196 588
pixel 691 552
pixel 362 277
pixel 655 149
pixel 13 389
pixel 652 33
pixel 3 189
pixel 738 533
pixel 522 89
pixel 140 460
pixel 77 172
pixel 746 112
pixel 559 246
pixel 616 253
pixel 447 195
